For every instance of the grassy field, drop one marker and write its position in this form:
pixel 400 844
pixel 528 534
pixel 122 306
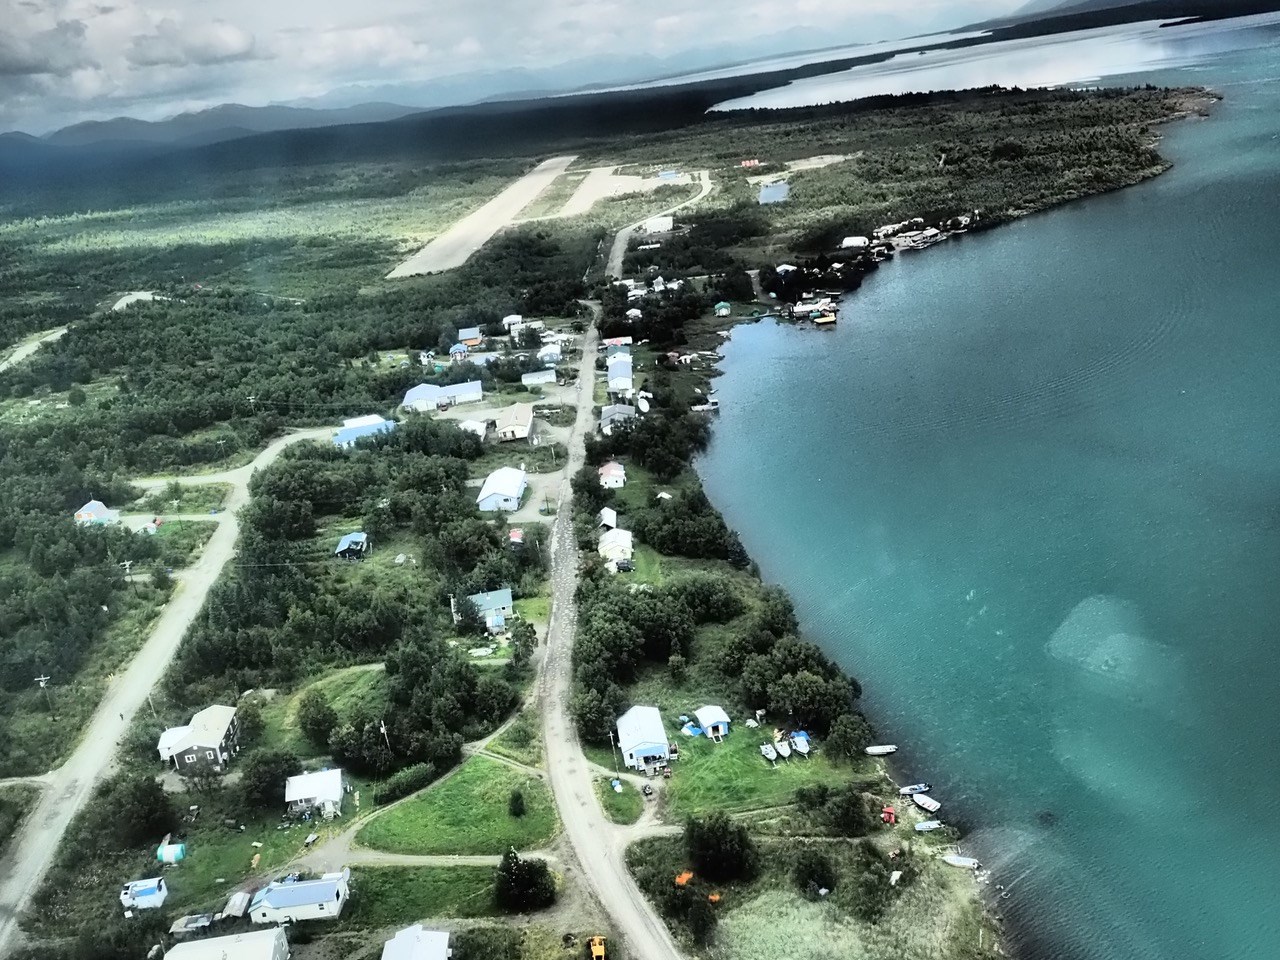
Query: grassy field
pixel 189 499
pixel 394 896
pixel 182 540
pixel 467 814
pixel 522 741
pixel 535 609
pixel 544 458
pixel 344 689
pixel 624 807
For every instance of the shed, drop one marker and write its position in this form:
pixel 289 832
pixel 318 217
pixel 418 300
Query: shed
pixel 713 720
pixel 417 943
pixel 607 517
pixel 354 546
pixel 144 894
pixel 478 427
pixel 502 490
pixel 723 309
pixel 511 319
pixel 258 945
pixel 642 739
pixel 321 791
pixel 635 313
pixel 515 422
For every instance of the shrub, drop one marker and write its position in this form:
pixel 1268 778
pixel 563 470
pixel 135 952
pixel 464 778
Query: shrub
pixel 316 717
pixel 523 884
pixel 404 782
pixel 515 805
pixel 813 871
pixel 721 849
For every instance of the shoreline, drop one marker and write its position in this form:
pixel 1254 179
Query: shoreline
pixel 1197 104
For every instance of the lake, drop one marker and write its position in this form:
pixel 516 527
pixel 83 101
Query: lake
pixel 1029 493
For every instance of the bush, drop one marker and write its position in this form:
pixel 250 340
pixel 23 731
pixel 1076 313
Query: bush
pixel 263 775
pixel 515 805
pixel 522 885
pixel 316 717
pixel 702 921
pixel 404 782
pixel 813 871
pixel 721 849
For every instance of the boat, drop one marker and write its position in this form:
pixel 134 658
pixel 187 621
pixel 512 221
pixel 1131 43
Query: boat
pixel 801 745
pixel 915 788
pixel 924 826
pixel 926 802
pixel 965 863
pixel 769 753
pixel 784 748
pixel 881 750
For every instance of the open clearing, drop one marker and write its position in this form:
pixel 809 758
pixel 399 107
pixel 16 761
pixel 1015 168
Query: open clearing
pixel 453 247
pixel 387 896
pixel 467 814
pixel 603 182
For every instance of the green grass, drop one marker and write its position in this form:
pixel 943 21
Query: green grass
pixel 554 196
pixel 15 803
pixel 191 498
pixel 182 540
pixel 534 609
pixel 624 807
pixel 544 458
pixel 467 814
pixel 392 896
pixel 345 689
pixel 522 741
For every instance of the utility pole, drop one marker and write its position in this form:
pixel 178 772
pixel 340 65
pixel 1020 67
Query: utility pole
pixel 43 681
pixel 152 705
pixel 128 571
pixel 614 750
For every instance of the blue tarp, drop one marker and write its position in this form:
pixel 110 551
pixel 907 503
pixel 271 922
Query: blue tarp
pixel 692 730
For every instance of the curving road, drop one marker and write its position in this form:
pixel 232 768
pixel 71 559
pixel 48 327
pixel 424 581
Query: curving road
pixel 599 844
pixel 69 786
pixel 619 249
pixel 28 347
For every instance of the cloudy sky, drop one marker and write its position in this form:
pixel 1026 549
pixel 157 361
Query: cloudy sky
pixel 62 61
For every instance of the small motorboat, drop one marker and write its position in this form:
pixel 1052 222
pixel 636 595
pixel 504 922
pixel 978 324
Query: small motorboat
pixel 964 863
pixel 769 753
pixel 924 826
pixel 914 789
pixel 784 749
pixel 926 802
pixel 800 745
pixel 881 750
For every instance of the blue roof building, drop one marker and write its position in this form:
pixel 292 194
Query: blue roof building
pixel 288 901
pixel 347 436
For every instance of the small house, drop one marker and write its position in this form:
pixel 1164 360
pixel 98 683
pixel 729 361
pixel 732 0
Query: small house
pixel 478 427
pixel 144 894
pixel 723 309
pixel 538 378
pixel 270 944
pixel 470 337
pixel 288 901
pixel 607 518
pixel 417 943
pixel 319 793
pixel 619 341
pixel 209 741
pixel 550 355
pixel 713 721
pixel 495 607
pixel 613 475
pixel 515 422
pixel 95 513
pixel 616 350
pixel 354 546
pixel 458 352
pixel 615 545
pixel 359 428
pixel 642 739
pixel 430 396
pixel 615 414
pixel 634 314
pixel 502 490
pixel 785 268
pixel 511 320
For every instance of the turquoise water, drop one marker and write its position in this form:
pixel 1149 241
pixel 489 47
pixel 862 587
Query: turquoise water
pixel 774 192
pixel 1029 492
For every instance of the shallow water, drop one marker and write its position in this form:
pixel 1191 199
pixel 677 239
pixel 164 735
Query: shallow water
pixel 1029 492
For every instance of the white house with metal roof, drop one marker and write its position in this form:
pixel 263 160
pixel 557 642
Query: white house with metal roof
pixel 642 739
pixel 288 901
pixel 616 544
pixel 502 490
pixel 538 378
pixel 95 513
pixel 270 944
pixel 431 396
pixel 612 415
pixel 515 422
pixel 418 943
pixel 320 792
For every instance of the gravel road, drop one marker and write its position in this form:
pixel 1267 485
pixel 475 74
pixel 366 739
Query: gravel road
pixel 598 843
pixel 70 786
pixel 453 247
pixel 614 268
pixel 27 348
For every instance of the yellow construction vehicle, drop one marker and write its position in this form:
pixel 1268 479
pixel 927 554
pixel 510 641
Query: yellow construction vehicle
pixel 597 948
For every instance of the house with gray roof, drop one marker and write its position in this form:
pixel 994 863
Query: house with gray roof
pixel 431 396
pixel 209 741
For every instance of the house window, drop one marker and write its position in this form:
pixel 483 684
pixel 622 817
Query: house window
pixel 189 758
pixel 209 754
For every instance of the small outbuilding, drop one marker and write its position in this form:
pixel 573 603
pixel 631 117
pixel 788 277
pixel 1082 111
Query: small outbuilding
pixel 607 518
pixel 417 943
pixel 478 427
pixel 713 721
pixel 354 546
pixel 855 243
pixel 538 378
pixel 502 490
pixel 458 352
pixel 144 894
pixel 723 309
pixel 635 313
pixel 642 739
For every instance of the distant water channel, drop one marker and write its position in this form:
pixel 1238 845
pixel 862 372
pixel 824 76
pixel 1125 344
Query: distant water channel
pixel 1029 492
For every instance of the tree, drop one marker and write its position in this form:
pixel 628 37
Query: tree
pixel 263 774
pixel 813 871
pixel 249 719
pixel 721 849
pixel 515 805
pixel 524 640
pixel 702 921
pixel 522 885
pixel 316 717
pixel 135 809
pixel 678 667
pixel 847 811
pixel 850 735
pixel 470 623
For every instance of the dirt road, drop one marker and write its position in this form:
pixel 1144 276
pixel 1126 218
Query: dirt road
pixel 70 785
pixel 453 247
pixel 614 267
pixel 598 843
pixel 30 346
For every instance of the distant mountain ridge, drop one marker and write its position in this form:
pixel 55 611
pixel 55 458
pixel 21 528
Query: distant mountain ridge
pixel 227 121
